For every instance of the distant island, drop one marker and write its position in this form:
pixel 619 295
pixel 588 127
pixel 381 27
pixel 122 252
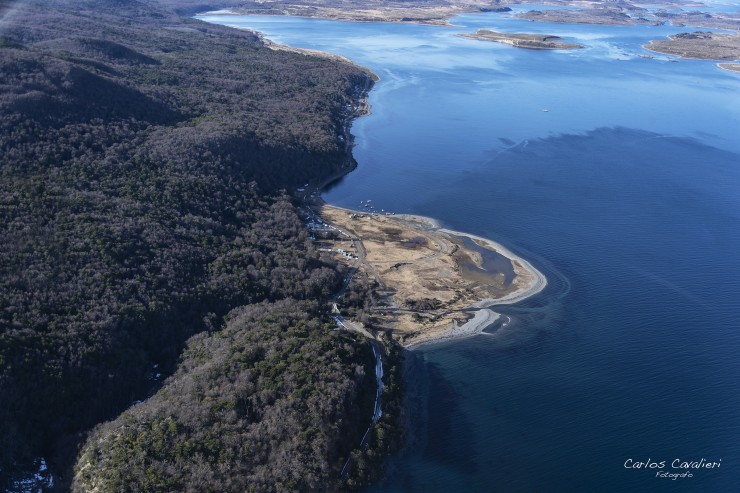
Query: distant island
pixel 701 46
pixel 522 40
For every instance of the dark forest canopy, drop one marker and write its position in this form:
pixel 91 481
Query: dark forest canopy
pixel 269 403
pixel 141 156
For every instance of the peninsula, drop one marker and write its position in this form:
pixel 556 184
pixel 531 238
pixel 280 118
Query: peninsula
pixel 522 40
pixel 432 283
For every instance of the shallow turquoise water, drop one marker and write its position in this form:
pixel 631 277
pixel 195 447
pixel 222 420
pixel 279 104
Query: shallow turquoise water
pixel 626 193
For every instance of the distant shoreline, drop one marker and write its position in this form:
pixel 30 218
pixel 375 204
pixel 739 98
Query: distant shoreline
pixel 730 67
pixel 720 47
pixel 440 13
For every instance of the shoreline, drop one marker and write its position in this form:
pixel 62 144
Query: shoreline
pixel 539 283
pixel 484 316
pixel 274 45
pixel 317 53
pixel 729 67
pixel 362 108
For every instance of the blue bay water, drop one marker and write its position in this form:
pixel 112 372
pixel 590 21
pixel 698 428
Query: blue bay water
pixel 625 192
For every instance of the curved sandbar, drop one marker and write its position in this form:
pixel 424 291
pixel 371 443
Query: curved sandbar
pixel 528 287
pixel 732 67
pixel 433 283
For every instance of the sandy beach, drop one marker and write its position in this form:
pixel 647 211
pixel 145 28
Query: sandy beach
pixel 532 280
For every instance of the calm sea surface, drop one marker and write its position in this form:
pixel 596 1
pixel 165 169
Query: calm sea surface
pixel 625 192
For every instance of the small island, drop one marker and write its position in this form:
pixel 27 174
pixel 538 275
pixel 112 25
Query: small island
pixel 523 40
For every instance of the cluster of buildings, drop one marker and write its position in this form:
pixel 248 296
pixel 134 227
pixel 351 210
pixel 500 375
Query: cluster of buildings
pixel 346 254
pixel 318 228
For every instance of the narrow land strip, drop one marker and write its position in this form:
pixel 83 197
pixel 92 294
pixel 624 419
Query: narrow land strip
pixel 523 40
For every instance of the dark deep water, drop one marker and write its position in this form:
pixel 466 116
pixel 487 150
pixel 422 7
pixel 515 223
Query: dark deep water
pixel 625 193
pixel 632 352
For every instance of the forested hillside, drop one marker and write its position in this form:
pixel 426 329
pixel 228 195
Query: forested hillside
pixel 141 158
pixel 266 404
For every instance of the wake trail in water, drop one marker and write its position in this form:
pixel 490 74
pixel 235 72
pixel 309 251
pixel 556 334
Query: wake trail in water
pixel 683 292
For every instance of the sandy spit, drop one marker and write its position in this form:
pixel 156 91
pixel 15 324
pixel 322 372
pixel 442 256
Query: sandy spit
pixel 482 319
pixel 531 280
pixel 536 282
